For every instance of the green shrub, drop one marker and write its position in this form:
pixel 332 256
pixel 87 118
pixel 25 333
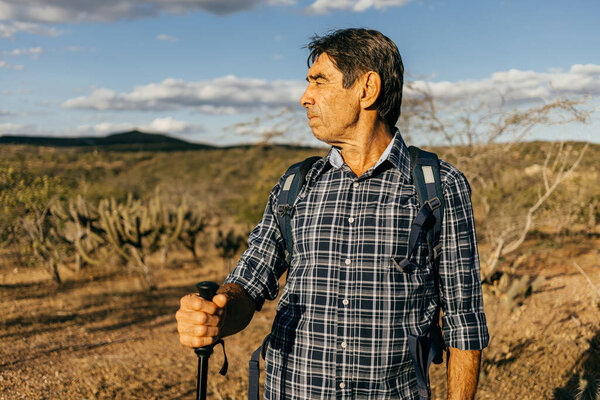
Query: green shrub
pixel 23 193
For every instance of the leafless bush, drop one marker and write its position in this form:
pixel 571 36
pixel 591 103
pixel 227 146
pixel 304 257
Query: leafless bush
pixel 509 193
pixel 512 227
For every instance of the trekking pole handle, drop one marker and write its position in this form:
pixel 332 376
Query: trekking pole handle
pixel 207 290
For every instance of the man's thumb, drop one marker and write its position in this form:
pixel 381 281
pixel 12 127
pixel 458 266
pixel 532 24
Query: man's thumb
pixel 220 300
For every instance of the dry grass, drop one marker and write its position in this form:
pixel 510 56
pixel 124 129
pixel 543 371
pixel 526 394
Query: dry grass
pixel 101 336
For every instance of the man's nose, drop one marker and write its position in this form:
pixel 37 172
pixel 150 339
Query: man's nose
pixel 307 100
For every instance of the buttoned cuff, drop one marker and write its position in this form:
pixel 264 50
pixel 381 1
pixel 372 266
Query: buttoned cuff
pixel 465 331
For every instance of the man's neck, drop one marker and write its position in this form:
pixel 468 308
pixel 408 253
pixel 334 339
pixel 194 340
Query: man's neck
pixel 364 150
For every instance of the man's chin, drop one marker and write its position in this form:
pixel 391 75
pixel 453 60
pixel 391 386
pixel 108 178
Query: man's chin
pixel 321 137
pixel 318 135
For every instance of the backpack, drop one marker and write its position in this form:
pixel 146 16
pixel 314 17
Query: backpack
pixel 425 171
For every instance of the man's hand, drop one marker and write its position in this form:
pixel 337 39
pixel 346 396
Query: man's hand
pixel 463 373
pixel 199 321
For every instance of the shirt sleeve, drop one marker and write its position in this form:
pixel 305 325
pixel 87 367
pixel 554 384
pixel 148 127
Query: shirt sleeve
pixel 262 264
pixel 464 322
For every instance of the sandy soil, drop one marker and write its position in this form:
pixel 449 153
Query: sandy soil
pixel 101 335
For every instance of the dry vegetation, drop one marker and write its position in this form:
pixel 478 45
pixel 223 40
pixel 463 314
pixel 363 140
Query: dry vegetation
pixel 104 332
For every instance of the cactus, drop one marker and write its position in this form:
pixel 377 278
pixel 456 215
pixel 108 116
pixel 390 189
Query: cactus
pixel 228 245
pixel 76 226
pixel 132 229
pixel 136 229
pixel 122 228
pixel 194 224
pixel 40 244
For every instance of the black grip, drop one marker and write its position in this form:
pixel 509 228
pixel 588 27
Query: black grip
pixel 207 289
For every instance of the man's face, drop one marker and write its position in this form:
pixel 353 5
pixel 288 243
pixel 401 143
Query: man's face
pixel 331 109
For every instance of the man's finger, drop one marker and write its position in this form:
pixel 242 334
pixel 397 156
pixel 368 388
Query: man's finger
pixel 197 303
pixel 198 330
pixel 193 341
pixel 197 318
pixel 220 300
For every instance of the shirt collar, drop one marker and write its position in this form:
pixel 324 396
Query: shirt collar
pixel 396 153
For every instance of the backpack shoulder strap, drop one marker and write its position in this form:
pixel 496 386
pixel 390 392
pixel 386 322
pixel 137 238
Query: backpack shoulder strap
pixel 293 180
pixel 425 171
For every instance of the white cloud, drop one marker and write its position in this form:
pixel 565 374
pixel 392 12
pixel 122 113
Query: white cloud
pixel 325 6
pixel 158 125
pixel 232 95
pixel 224 95
pixel 515 86
pixel 214 110
pixel 32 52
pixel 4 64
pixel 33 16
pixel 4 113
pixel 104 128
pixel 16 129
pixel 167 124
pixel 73 11
pixel 280 2
pixel 167 38
pixel 9 28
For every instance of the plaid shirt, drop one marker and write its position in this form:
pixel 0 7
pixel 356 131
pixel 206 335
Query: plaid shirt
pixel 346 309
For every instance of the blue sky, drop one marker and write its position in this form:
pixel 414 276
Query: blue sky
pixel 196 68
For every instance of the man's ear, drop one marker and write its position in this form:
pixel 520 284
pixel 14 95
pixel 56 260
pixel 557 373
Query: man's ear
pixel 370 90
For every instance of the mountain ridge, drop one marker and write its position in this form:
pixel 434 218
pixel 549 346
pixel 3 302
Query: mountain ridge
pixel 132 140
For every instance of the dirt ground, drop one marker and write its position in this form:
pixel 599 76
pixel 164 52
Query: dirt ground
pixel 101 335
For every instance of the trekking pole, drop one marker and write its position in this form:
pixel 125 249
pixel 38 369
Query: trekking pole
pixel 207 290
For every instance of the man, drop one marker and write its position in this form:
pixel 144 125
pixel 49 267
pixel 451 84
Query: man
pixel 346 309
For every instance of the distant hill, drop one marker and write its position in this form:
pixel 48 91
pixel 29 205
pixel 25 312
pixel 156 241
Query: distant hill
pixel 132 140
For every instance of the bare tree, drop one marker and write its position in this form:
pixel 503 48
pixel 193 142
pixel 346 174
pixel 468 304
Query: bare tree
pixel 560 163
pixel 480 138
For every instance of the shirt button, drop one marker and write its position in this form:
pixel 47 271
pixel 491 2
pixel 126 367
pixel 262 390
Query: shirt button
pixel 351 220
pixel 347 261
pixel 355 185
pixel 344 345
pixel 345 302
pixel 342 385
